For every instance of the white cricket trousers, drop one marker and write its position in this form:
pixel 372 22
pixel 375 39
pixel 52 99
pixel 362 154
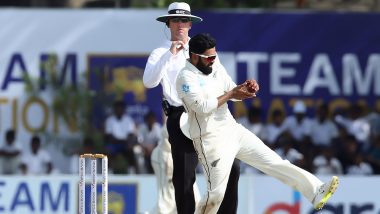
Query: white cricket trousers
pixel 162 163
pixel 218 150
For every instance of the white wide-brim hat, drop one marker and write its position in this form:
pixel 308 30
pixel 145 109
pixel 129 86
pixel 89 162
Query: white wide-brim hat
pixel 179 9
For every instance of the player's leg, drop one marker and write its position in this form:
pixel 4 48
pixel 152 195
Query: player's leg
pixel 230 201
pixel 217 155
pixel 159 178
pixel 185 161
pixel 162 164
pixel 254 152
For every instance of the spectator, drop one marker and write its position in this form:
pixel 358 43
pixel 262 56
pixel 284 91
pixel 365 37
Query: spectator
pixel 298 124
pixel 37 161
pixel 326 163
pixel 360 167
pixel 373 119
pixel 348 148
pixel 323 130
pixel 120 138
pixel 275 128
pixel 373 156
pixel 356 125
pixel 150 135
pixel 287 151
pixel 254 122
pixel 10 153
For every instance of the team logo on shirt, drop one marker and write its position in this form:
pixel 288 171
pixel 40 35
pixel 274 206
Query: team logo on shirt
pixel 185 88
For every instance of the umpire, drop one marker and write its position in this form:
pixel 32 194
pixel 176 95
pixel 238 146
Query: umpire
pixel 163 66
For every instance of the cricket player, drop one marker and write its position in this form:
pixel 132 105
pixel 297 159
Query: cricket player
pixel 218 139
pixel 162 164
pixel 162 68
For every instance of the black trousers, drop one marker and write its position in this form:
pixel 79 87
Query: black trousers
pixel 185 161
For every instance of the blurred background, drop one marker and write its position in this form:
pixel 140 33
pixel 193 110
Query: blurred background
pixel 333 5
pixel 68 68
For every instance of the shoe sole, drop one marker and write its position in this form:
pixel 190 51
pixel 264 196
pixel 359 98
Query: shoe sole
pixel 333 186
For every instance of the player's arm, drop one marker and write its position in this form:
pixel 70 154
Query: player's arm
pixel 190 92
pixel 156 65
pixel 158 62
pixel 238 93
pixel 232 91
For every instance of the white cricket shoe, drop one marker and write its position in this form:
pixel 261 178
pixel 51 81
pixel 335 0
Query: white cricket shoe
pixel 324 192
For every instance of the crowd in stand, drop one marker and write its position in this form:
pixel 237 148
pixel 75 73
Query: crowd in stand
pixel 345 142
pixel 31 161
pixel 325 143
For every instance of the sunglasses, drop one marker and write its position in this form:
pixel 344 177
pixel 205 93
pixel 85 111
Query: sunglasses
pixel 180 19
pixel 209 58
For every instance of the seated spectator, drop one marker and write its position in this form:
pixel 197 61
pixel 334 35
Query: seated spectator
pixel 149 136
pixel 373 119
pixel 255 124
pixel 286 151
pixel 37 161
pixel 347 148
pixel 275 128
pixel 9 153
pixel 323 131
pixel 360 167
pixel 356 125
pixel 373 156
pixel 298 125
pixel 326 163
pixel 121 138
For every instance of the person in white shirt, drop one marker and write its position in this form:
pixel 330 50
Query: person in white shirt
pixel 37 161
pixel 356 125
pixel 121 137
pixel 162 163
pixel 323 130
pixel 275 128
pixel 10 152
pixel 286 151
pixel 326 163
pixel 360 167
pixel 163 66
pixel 299 125
pixel 218 139
pixel 149 136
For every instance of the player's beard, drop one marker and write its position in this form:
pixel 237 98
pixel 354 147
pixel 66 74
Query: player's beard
pixel 205 69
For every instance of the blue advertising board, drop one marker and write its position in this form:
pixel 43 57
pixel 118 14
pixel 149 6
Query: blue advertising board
pixel 116 77
pixel 122 198
pixel 316 57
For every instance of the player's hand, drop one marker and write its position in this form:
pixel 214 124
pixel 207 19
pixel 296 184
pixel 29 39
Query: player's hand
pixel 252 86
pixel 240 92
pixel 176 47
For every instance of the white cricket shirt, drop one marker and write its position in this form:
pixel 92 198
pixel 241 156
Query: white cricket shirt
pixel 163 67
pixel 199 93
